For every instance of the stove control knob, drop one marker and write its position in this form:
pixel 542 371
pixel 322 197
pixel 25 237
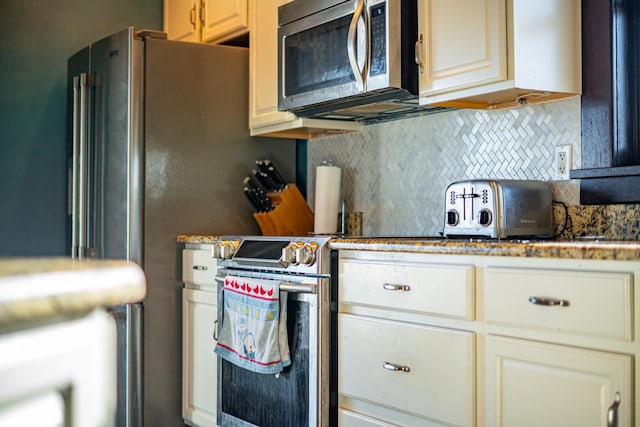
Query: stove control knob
pixel 306 254
pixel 226 249
pixel 215 251
pixel 289 254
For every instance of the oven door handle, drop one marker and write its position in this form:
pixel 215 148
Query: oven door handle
pixel 296 288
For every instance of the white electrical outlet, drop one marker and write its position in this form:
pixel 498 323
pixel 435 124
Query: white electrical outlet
pixel 562 163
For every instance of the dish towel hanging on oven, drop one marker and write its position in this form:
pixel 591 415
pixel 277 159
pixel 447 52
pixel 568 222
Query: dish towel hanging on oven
pixel 254 325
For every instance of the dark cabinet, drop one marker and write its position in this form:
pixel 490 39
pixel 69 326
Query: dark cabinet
pixel 610 102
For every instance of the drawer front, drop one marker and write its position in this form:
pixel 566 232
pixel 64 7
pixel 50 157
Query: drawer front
pixel 351 419
pixel 445 290
pixel 439 384
pixel 198 267
pixel 597 304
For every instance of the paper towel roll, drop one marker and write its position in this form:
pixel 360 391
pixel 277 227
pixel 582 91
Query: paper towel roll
pixel 327 199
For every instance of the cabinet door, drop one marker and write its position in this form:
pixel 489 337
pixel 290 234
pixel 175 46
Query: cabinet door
pixel 263 65
pixel 181 20
pixel 463 43
pixel 435 372
pixel 224 19
pixel 536 384
pixel 199 362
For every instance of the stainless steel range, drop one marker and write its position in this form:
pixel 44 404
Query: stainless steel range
pixel 299 395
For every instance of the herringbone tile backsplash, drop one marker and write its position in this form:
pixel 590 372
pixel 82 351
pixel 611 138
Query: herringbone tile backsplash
pixel 396 173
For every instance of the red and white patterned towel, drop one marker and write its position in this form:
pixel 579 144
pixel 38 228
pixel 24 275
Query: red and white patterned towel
pixel 254 326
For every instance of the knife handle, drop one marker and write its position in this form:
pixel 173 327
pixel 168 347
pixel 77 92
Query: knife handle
pixel 275 173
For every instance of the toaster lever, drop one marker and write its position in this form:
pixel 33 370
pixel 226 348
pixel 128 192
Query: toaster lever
pixel 467 195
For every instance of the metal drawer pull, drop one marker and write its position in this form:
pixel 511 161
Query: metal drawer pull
pixel 393 287
pixel 612 412
pixel 392 367
pixel 548 301
pixel 215 330
pixel 200 267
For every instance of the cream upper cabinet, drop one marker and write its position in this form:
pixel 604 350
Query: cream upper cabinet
pixel 224 20
pixel 182 20
pixel 264 117
pixel 464 43
pixel 497 53
pixel 206 21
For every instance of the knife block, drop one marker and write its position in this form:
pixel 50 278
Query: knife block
pixel 292 215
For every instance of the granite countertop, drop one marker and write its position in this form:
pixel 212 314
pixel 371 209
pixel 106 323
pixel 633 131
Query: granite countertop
pixel 580 248
pixel 197 238
pixel 34 289
pixel 621 250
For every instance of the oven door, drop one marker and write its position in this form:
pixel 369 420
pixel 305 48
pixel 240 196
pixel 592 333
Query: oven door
pixel 295 397
pixel 322 56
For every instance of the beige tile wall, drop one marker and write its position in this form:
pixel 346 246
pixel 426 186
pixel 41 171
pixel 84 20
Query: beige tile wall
pixel 396 172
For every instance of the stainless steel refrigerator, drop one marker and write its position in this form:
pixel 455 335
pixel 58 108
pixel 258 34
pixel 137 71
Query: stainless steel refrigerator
pixel 158 146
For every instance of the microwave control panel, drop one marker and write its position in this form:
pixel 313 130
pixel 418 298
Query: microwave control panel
pixel 378 39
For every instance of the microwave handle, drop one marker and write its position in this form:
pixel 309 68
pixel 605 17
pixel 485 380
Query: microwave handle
pixel 351 44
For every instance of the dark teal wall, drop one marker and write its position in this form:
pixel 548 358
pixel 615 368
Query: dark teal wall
pixel 36 39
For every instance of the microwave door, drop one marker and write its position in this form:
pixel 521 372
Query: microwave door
pixel 313 58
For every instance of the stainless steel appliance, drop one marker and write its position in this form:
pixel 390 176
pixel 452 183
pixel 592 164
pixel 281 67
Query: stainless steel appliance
pixel 160 144
pixel 299 396
pixel 498 208
pixel 348 59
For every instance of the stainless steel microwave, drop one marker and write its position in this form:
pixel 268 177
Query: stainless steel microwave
pixel 347 58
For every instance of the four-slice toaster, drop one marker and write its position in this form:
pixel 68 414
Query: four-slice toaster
pixel 498 208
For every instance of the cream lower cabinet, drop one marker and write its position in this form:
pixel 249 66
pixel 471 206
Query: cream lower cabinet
pixel 394 366
pixel 489 341
pixel 535 384
pixel 199 329
pixel 414 374
pixel 530 383
pixel 199 321
pixel 264 117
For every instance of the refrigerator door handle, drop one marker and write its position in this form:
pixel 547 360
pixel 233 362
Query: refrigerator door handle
pixel 82 169
pixel 74 169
